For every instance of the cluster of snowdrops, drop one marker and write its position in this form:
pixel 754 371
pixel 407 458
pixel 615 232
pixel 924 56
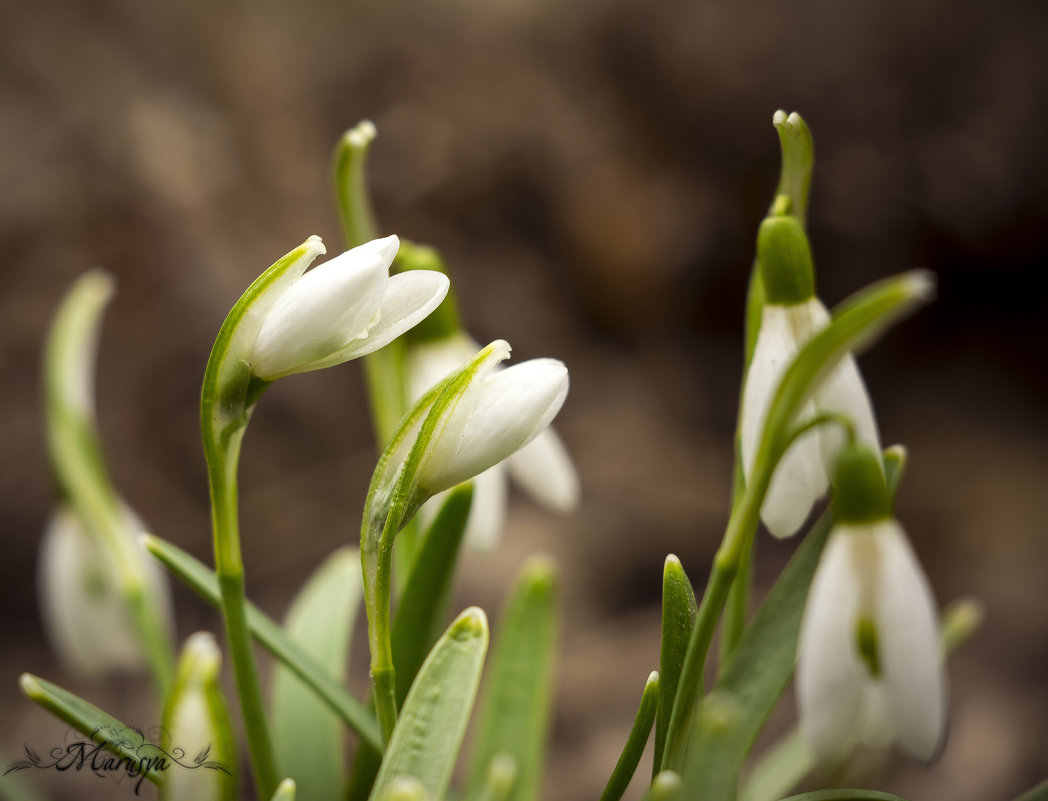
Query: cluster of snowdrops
pixel 852 614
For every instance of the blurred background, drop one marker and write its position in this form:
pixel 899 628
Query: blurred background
pixel 594 173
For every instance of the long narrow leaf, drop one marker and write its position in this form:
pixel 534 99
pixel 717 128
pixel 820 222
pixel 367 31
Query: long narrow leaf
pixel 307 734
pixel 678 618
pixel 102 729
pixel 203 581
pixel 418 623
pixel 759 670
pixel 428 734
pixel 845 795
pixel 780 769
pixel 515 713
pixel 638 738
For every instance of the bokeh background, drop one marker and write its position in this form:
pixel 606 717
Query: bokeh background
pixel 594 173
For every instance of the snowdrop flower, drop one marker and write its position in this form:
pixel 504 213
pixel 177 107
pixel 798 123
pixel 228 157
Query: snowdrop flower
pixel 82 604
pixel 496 414
pixel 345 308
pixel 197 721
pixel 542 467
pixel 791 315
pixel 869 669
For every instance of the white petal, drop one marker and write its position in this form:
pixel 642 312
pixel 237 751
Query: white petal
pixel 499 413
pixel 324 310
pixel 83 610
pixel 487 514
pixel 774 350
pixel 875 727
pixel 410 298
pixel 544 469
pixel 844 392
pixel 911 659
pixel 798 482
pixel 800 479
pixel 830 676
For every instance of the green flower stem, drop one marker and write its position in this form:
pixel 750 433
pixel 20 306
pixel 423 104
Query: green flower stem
pixel 79 463
pixel 376 560
pixel 222 470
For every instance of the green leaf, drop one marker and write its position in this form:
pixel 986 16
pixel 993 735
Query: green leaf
pixel 845 795
pixel 856 323
pixel 515 714
pixel 780 769
pixel 678 618
pixel 103 729
pixel 417 623
pixel 197 720
pixel 366 763
pixel 199 578
pixel 638 738
pixel 735 711
pixel 307 734
pixel 429 731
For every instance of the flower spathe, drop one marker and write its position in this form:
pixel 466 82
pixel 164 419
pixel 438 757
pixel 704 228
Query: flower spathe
pixel 869 668
pixel 347 307
pixel 499 412
pixel 542 467
pixel 802 474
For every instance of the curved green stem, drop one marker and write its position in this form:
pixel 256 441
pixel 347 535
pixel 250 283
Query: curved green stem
pixel 222 459
pixel 376 558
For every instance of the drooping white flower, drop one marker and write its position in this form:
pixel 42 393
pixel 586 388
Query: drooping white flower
pixel 82 603
pixel 542 466
pixel 869 668
pixel 347 307
pixel 802 475
pixel 870 595
pixel 499 412
pixel 792 315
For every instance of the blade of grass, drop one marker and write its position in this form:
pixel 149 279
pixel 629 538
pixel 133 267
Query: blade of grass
pixel 638 738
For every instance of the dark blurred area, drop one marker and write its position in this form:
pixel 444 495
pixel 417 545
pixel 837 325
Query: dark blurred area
pixel 594 173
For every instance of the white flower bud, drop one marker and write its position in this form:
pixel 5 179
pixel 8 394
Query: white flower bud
pixel 197 721
pixel 497 414
pixel 345 308
pixel 542 468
